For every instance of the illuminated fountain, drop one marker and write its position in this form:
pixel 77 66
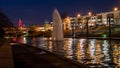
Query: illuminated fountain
pixel 57 33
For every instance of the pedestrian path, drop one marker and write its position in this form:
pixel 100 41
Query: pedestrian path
pixel 6 60
pixel 30 57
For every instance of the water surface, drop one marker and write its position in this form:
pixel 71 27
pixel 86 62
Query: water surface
pixel 93 52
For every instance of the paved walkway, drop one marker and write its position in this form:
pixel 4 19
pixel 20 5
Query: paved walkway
pixel 30 57
pixel 6 60
pixel 24 56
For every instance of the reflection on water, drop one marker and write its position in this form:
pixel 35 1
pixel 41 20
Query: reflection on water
pixel 93 52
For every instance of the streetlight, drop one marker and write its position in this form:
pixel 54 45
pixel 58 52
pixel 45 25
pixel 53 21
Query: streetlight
pixel 88 17
pixel 89 13
pixel 78 15
pixel 73 26
pixel 79 21
pixel 110 18
pixel 115 9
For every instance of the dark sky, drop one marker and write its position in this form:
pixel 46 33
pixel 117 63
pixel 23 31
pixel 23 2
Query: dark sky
pixel 36 11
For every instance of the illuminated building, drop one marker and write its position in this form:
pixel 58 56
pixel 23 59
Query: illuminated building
pixel 97 19
pixel 20 24
pixel 66 23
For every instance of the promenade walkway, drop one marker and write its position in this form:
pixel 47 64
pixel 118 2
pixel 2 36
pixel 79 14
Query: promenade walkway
pixel 6 58
pixel 17 55
pixel 30 57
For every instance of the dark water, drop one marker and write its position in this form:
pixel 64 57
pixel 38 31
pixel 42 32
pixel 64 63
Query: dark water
pixel 93 52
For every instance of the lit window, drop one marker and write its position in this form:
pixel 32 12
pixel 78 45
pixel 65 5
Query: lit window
pixel 104 19
pixel 111 18
pixel 99 19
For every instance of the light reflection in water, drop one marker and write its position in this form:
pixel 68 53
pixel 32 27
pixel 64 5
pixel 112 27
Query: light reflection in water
pixel 49 46
pixel 106 51
pixel 115 53
pixel 95 53
pixel 68 48
pixel 92 47
pixel 20 39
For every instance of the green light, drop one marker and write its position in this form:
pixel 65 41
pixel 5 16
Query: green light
pixel 104 35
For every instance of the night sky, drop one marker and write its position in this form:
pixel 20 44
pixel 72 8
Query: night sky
pixel 37 11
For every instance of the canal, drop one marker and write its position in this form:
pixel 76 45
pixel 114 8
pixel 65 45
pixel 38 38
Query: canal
pixel 92 52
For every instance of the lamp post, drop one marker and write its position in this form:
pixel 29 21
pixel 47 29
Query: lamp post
pixel 79 22
pixel 73 28
pixel 87 26
pixel 109 27
pixel 115 18
pixel 87 18
pixel 109 22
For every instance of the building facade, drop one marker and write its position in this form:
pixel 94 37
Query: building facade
pixel 93 20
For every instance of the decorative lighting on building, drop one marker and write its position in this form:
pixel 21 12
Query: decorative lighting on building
pixel 20 24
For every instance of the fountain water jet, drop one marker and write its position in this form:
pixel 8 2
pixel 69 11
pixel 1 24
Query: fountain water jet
pixel 57 33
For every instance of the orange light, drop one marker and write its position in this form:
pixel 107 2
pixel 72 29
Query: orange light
pixel 78 15
pixel 115 9
pixel 89 13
